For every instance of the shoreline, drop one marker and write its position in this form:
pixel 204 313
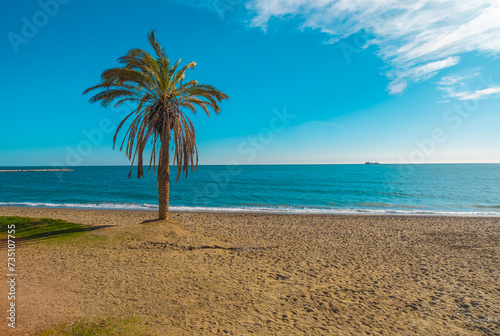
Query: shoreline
pixel 265 212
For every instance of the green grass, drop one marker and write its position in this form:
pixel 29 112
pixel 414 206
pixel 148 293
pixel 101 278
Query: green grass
pixel 115 327
pixel 43 229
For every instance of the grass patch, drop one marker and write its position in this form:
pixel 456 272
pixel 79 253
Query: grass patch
pixel 128 326
pixel 46 229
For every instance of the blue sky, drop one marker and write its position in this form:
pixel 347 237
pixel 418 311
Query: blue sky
pixel 310 81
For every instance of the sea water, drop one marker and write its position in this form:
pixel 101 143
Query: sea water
pixel 441 189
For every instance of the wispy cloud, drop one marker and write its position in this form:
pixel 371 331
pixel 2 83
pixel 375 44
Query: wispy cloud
pixel 416 38
pixel 459 86
pixel 481 94
pixel 459 79
pixel 477 94
pixel 400 77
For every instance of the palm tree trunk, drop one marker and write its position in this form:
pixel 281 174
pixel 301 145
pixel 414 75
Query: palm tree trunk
pixel 163 194
pixel 164 177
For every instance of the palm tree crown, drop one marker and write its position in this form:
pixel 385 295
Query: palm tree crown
pixel 162 96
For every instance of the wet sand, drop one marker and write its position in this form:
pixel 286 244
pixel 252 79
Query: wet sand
pixel 263 274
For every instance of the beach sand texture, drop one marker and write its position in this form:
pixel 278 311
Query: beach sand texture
pixel 264 274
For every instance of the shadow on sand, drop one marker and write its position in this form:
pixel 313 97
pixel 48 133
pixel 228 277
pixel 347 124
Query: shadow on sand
pixel 43 236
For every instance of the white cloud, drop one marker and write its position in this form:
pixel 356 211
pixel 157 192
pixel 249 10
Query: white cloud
pixel 400 77
pixel 416 38
pixel 480 94
pixel 459 86
pixel 397 86
pixel 490 92
pixel 430 69
pixel 456 79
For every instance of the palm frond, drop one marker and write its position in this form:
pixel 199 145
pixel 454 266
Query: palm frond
pixel 162 96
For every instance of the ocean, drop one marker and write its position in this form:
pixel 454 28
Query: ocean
pixel 437 189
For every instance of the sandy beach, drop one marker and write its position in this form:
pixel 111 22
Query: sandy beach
pixel 263 274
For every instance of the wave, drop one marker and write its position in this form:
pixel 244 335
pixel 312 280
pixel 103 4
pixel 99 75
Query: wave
pixel 103 205
pixel 263 209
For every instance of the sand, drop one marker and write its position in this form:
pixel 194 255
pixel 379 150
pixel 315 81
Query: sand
pixel 264 274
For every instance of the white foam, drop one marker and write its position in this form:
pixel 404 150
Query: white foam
pixel 104 205
pixel 281 209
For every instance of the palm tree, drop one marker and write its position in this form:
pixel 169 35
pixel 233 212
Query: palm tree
pixel 162 96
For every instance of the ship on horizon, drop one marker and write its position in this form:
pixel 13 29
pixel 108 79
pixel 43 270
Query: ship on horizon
pixel 371 163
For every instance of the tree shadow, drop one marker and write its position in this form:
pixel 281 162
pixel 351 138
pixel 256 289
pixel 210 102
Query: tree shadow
pixel 43 236
pixel 149 221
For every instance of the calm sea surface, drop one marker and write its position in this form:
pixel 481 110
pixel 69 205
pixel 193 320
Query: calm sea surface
pixel 463 189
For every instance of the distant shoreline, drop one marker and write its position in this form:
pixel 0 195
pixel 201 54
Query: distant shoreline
pixel 248 212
